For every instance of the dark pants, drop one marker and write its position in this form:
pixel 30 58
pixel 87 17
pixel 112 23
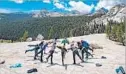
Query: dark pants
pixel 36 54
pixel 85 50
pixel 63 53
pixel 41 58
pixel 51 55
pixel 63 56
pixel 75 52
pixel 90 49
pixel 82 53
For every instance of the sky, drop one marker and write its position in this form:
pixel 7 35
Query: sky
pixel 82 6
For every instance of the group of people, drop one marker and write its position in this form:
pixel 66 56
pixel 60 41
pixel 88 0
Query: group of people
pixel 76 47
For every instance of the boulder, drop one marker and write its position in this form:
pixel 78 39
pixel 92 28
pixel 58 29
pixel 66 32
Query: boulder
pixel 29 39
pixel 39 37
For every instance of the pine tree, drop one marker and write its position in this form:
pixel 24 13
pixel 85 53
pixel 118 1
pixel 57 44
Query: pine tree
pixel 25 36
pixel 50 33
pixel 108 30
pixel 113 33
pixel 119 34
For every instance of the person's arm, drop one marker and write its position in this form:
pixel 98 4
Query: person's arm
pixel 32 45
pixel 59 47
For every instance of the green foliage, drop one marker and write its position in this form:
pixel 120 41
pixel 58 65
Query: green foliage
pixel 49 27
pixel 116 31
pixel 108 31
pixel 114 35
pixel 5 41
pixel 50 32
pixel 25 36
pixel 119 34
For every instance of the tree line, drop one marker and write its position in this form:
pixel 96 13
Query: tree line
pixel 49 27
pixel 116 31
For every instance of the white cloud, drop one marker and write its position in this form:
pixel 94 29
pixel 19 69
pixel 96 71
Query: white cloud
pixel 2 10
pixel 18 1
pixel 46 1
pixel 80 6
pixel 8 10
pixel 60 6
pixel 108 3
pixel 55 1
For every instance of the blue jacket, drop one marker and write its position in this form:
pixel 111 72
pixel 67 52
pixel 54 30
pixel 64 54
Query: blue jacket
pixel 85 44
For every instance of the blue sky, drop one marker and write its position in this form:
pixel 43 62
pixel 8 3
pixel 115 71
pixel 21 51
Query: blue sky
pixel 82 6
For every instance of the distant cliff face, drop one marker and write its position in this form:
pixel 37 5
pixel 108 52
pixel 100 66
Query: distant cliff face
pixel 116 13
pixel 45 13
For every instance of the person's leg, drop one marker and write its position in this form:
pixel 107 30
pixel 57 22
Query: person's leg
pixel 39 52
pixel 77 53
pixel 88 53
pixel 74 60
pixel 91 49
pixel 29 50
pixel 36 51
pixel 48 57
pixel 41 56
pixel 82 53
pixel 44 51
pixel 63 55
pixel 52 57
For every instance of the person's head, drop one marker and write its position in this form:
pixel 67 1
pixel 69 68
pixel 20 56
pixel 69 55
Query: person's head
pixel 78 43
pixel 41 42
pixel 56 38
pixel 65 38
pixel 81 40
